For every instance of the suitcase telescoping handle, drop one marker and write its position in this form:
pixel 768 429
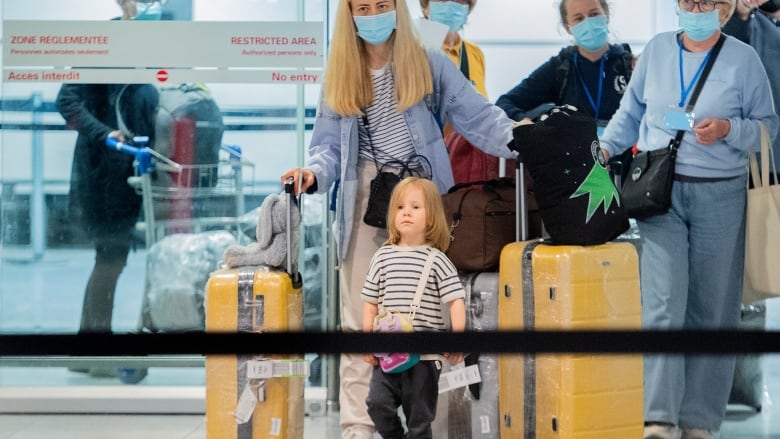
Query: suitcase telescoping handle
pixel 292 203
pixel 521 219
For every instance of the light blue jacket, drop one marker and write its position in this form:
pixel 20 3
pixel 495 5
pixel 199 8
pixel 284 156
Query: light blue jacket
pixel 333 152
pixel 737 89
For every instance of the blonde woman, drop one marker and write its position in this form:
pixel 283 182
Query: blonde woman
pixel 381 97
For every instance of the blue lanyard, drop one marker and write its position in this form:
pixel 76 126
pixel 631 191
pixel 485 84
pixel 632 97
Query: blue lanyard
pixel 685 91
pixel 597 104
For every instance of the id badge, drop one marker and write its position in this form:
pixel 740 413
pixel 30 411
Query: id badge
pixel 678 120
pixel 600 126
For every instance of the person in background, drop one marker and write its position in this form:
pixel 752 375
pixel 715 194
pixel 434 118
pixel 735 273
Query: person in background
pixel 380 93
pixel 591 75
pixel 417 227
pixel 102 202
pixel 692 257
pixel 469 163
pixel 757 22
pixel 467 56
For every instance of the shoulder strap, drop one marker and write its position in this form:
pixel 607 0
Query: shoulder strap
pixel 699 85
pixel 628 61
pixel 562 74
pixel 464 60
pixel 119 119
pixel 426 272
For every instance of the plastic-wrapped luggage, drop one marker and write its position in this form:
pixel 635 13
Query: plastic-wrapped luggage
pixel 177 268
pixel 748 385
pixel 473 410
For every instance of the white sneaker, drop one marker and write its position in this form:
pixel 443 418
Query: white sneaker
pixel 696 433
pixel 660 431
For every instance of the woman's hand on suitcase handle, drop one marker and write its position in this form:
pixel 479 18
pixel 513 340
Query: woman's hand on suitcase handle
pixel 303 179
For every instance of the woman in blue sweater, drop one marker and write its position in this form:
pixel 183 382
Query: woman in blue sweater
pixel 691 260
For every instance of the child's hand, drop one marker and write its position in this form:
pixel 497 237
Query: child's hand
pixel 370 359
pixel 454 357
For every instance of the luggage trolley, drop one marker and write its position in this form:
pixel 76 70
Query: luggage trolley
pixel 166 187
pixel 184 199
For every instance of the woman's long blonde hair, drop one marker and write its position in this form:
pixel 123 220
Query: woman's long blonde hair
pixel 437 230
pixel 348 87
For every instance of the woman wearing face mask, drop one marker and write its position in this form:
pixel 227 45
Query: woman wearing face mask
pixel 590 75
pixel 468 162
pixel 465 54
pixel 692 256
pixel 373 110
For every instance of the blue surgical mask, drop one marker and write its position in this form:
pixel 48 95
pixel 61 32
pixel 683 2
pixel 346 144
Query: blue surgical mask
pixel 699 26
pixel 452 14
pixel 591 33
pixel 375 29
pixel 148 11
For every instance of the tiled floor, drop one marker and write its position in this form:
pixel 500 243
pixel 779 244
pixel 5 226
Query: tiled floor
pixel 45 296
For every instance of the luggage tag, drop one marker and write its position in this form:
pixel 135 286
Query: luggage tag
pixel 246 404
pixel 459 377
pixel 265 369
pixel 678 120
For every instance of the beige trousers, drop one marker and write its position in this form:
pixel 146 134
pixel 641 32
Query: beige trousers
pixel 355 373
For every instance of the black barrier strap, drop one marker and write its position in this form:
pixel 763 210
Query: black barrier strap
pixel 608 342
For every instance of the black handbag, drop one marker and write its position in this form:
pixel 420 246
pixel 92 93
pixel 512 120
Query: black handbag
pixel 647 190
pixel 383 184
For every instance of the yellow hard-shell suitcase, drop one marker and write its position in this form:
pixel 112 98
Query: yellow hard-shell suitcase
pixel 241 401
pixel 567 396
pixel 252 300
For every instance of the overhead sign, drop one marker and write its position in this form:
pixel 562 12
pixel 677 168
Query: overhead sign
pixel 135 51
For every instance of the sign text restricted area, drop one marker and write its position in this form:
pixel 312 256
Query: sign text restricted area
pixel 146 51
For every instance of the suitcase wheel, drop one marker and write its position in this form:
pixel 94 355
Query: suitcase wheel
pixel 129 375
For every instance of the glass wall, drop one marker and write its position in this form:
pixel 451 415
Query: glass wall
pixel 47 255
pixel 203 195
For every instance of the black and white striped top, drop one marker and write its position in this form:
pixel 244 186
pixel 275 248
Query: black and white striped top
pixel 393 277
pixel 386 127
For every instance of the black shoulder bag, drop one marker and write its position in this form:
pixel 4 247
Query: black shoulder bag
pixel 385 181
pixel 648 189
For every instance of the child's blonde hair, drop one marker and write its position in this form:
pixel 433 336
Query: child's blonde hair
pixel 437 231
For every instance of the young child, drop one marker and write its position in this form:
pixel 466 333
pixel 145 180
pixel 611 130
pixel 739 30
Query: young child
pixel 417 226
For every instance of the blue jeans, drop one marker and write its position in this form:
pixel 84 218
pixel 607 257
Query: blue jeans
pixel 691 267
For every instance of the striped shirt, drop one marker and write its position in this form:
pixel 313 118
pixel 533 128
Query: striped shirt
pixel 386 127
pixel 393 277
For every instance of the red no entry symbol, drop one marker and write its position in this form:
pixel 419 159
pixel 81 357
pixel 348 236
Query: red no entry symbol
pixel 162 75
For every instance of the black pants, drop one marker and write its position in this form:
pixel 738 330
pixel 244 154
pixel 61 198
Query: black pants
pixel 415 390
pixel 110 259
